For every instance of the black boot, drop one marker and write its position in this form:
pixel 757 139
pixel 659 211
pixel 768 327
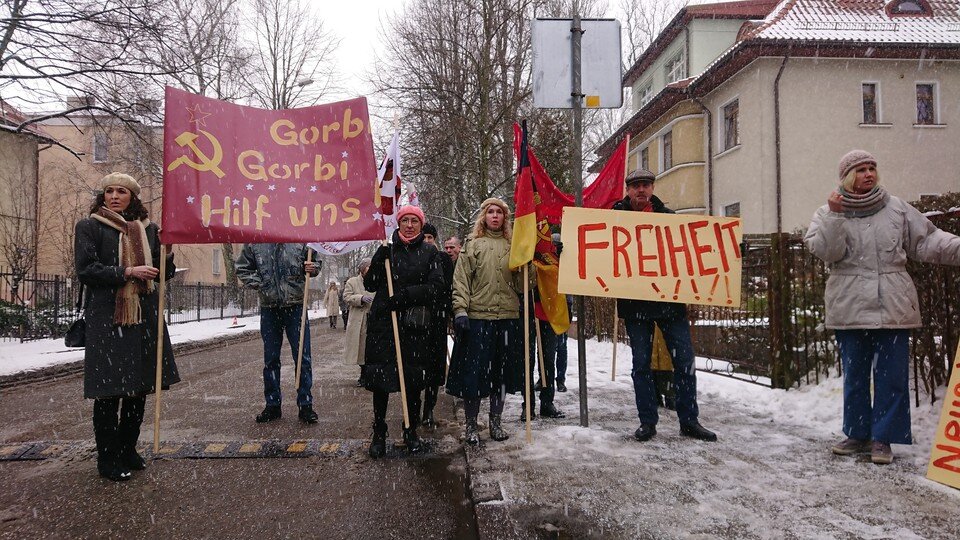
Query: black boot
pixel 105 428
pixel 496 429
pixel 547 410
pixel 378 445
pixel 428 421
pixel 269 414
pixel 471 434
pixel 696 431
pixel 663 382
pixel 412 440
pixel 523 411
pixel 128 431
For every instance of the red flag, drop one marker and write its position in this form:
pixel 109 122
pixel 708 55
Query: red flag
pixel 608 187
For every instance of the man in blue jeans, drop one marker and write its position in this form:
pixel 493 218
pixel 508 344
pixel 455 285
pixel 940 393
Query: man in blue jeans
pixel 278 273
pixel 641 317
pixel 562 344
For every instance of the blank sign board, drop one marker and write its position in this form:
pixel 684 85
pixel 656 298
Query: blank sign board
pixel 600 75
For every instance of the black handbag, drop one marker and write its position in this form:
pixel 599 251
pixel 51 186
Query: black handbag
pixel 77 333
pixel 415 318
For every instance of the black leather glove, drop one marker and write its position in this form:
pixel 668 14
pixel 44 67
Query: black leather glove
pixel 461 324
pixel 382 254
pixel 559 247
pixel 398 300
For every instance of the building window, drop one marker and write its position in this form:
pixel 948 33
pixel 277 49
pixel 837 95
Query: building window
pixel 645 158
pixel 731 124
pixel 926 104
pixel 676 68
pixel 667 151
pixel 646 94
pixel 870 94
pixel 217 262
pixel 732 210
pixel 101 143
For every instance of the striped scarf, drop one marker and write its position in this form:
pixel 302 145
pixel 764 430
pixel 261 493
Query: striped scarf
pixel 134 251
pixel 868 204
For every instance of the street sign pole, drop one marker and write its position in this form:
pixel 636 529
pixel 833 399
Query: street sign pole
pixel 576 95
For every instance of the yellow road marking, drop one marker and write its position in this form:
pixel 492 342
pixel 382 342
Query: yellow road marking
pixel 214 448
pixel 248 448
pixel 52 449
pixel 297 447
pixel 169 449
pixel 9 450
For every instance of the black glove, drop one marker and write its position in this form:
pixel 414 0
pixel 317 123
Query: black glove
pixel 559 247
pixel 461 324
pixel 398 300
pixel 382 254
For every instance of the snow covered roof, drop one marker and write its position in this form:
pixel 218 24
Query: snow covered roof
pixel 871 21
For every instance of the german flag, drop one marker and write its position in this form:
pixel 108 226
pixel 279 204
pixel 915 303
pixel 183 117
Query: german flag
pixel 524 240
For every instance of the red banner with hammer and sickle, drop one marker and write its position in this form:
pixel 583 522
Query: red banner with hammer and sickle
pixel 241 174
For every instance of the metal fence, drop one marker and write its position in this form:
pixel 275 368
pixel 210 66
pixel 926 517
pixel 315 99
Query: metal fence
pixel 43 305
pixel 776 336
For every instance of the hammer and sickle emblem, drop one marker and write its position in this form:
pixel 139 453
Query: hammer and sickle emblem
pixel 211 164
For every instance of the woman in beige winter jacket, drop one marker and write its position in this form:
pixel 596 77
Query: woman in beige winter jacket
pixel 332 302
pixel 359 301
pixel 487 357
pixel 866 236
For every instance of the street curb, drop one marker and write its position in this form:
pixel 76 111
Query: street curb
pixel 61 371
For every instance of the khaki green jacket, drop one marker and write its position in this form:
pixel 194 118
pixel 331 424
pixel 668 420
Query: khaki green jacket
pixel 483 285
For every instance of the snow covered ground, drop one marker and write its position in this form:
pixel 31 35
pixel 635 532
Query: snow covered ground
pixel 16 357
pixel 771 475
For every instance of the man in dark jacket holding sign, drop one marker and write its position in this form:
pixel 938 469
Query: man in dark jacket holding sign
pixel 640 318
pixel 278 272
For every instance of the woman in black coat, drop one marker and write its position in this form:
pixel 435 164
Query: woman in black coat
pixel 417 281
pixel 117 252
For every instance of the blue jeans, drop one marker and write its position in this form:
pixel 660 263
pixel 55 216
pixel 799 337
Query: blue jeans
pixel 562 358
pixel 676 334
pixel 885 352
pixel 274 322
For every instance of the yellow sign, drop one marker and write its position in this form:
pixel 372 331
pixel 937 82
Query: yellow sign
pixel 650 256
pixel 944 464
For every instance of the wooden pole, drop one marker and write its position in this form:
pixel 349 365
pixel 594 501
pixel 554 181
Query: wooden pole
pixel 446 373
pixel 159 379
pixel 396 341
pixel 526 348
pixel 543 370
pixel 303 318
pixel 616 318
pixel 616 326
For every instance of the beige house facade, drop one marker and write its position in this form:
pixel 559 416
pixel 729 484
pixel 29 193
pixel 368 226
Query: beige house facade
pixel 821 114
pixel 758 132
pixel 68 186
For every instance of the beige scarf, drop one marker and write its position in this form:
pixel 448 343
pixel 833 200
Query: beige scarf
pixel 134 251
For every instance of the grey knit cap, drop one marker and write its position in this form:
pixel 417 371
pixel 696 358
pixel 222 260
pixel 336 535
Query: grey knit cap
pixel 854 159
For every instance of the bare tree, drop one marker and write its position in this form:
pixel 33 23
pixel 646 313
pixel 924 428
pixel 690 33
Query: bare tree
pixel 18 223
pixel 55 48
pixel 293 55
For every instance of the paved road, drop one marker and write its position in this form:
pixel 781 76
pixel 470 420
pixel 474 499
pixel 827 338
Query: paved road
pixel 337 492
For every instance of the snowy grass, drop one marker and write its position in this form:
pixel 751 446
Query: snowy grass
pixel 16 357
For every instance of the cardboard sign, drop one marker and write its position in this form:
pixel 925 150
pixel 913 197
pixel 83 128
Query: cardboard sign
pixel 650 256
pixel 944 464
pixel 242 174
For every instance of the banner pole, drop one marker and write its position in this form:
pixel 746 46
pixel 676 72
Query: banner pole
pixel 396 341
pixel 526 349
pixel 613 368
pixel 159 379
pixel 303 317
pixel 446 372
pixel 616 318
pixel 543 370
